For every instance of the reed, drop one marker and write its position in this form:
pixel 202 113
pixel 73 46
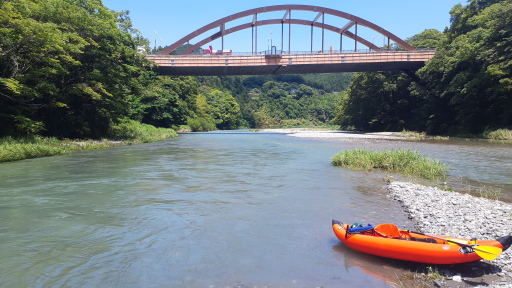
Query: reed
pixel 12 149
pixel 402 161
pixel 489 192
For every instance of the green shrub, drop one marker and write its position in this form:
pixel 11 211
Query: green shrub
pixel 500 134
pixel 136 132
pixel 182 128
pixel 200 124
pixel 403 161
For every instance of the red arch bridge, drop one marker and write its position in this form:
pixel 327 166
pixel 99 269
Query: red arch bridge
pixel 273 61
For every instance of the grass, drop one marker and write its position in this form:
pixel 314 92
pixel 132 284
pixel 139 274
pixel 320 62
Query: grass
pixel 489 192
pixel 128 132
pixel 477 188
pixel 422 135
pixel 500 134
pixel 135 132
pixel 403 161
pixel 12 149
pixel 418 279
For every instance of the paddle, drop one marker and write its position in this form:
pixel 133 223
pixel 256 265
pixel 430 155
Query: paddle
pixel 360 229
pixel 486 252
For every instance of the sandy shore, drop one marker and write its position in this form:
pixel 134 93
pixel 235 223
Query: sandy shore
pixel 332 134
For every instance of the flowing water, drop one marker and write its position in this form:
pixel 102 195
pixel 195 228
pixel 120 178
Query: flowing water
pixel 214 209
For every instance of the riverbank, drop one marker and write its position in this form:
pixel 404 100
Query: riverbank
pixel 501 135
pixel 439 212
pixel 126 133
pixel 350 136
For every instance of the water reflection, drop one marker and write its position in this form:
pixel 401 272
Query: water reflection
pixel 355 263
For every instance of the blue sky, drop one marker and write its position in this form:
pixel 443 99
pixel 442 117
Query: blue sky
pixel 172 20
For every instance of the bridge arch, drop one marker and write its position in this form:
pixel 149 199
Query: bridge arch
pixel 343 31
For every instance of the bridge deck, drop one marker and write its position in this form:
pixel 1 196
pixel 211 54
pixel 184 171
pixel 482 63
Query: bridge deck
pixel 214 65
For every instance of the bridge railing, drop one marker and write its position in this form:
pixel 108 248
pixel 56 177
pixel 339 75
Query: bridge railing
pixel 291 59
pixel 284 52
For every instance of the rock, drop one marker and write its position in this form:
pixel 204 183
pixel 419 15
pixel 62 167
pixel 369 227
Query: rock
pixel 457 278
pixel 439 212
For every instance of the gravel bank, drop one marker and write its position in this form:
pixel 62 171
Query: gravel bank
pixel 335 134
pixel 440 212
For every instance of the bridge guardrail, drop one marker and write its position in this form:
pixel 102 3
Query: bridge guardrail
pixel 291 59
pixel 281 52
pixel 290 63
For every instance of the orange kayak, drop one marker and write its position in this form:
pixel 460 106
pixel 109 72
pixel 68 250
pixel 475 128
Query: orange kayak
pixel 386 240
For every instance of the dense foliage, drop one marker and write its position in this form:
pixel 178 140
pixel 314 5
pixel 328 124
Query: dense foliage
pixel 284 100
pixel 65 68
pixel 72 69
pixel 465 89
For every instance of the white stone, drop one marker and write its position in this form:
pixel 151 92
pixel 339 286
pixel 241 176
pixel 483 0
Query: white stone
pixel 457 278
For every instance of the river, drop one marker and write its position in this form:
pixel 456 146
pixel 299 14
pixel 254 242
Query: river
pixel 216 209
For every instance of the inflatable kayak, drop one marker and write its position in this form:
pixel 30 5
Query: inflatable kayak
pixel 386 240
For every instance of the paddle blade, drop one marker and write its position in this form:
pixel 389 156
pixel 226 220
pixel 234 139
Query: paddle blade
pixel 487 252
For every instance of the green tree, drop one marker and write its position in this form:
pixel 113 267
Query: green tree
pixel 304 91
pixel 382 101
pixel 377 102
pixel 471 73
pixel 222 107
pixel 429 38
pixel 66 67
pixel 275 89
pixel 164 101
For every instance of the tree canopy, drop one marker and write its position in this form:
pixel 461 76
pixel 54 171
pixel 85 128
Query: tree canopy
pixel 65 67
pixel 74 69
pixel 464 89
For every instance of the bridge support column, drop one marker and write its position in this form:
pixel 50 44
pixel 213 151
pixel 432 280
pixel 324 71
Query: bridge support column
pixel 256 39
pixel 355 40
pixel 341 42
pixel 282 29
pixel 282 36
pixel 311 51
pixel 222 29
pixel 289 32
pixel 312 25
pixel 323 22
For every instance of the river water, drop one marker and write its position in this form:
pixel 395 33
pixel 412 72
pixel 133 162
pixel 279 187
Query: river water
pixel 216 209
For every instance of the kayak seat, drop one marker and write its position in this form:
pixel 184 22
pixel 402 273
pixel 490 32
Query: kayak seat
pixel 428 240
pixel 388 230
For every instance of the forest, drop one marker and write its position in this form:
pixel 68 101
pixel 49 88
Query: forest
pixel 71 69
pixel 466 89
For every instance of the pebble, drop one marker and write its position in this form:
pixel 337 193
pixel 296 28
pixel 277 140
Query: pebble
pixel 457 278
pixel 440 212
